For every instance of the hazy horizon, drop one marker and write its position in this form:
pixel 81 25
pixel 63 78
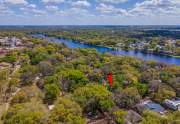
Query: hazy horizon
pixel 84 25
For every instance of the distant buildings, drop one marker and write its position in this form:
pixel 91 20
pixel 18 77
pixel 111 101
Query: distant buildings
pixel 7 44
pixel 163 46
pixel 10 42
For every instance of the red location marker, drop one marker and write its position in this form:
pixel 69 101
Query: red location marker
pixel 110 79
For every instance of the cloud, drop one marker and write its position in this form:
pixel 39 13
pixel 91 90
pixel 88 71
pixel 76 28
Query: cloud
pixel 32 11
pixel 109 9
pixel 32 5
pixel 16 2
pixel 112 1
pixel 53 1
pixel 5 11
pixel 38 12
pixel 81 3
pixel 52 8
pixel 76 12
pixel 156 7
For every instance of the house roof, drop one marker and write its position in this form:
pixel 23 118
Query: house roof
pixel 154 107
pixel 150 105
pixel 174 102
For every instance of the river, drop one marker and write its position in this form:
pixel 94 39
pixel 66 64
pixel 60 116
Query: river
pixel 145 56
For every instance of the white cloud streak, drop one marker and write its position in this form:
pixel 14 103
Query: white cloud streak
pixel 16 2
pixel 53 1
pixel 112 1
pixel 81 3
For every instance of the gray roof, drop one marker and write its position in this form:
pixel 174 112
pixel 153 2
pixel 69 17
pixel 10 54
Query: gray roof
pixel 154 107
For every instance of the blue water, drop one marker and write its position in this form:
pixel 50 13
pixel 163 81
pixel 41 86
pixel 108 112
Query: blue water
pixel 145 56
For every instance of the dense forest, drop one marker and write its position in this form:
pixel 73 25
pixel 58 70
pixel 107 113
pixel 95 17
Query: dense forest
pixel 48 83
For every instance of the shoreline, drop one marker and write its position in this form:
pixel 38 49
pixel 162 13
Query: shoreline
pixel 115 48
pixel 112 48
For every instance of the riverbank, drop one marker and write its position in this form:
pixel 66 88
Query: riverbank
pixel 111 47
pixel 174 56
pixel 74 44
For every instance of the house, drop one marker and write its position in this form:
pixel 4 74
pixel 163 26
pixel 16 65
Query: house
pixel 150 50
pixel 120 45
pixel 10 42
pixel 151 106
pixel 173 104
pixel 99 119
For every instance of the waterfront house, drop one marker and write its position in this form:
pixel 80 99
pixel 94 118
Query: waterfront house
pixel 120 45
pixel 173 104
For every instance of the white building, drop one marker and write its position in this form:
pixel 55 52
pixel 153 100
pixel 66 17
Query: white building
pixel 173 104
pixel 10 42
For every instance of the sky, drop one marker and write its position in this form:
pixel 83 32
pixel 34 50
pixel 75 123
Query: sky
pixel 89 12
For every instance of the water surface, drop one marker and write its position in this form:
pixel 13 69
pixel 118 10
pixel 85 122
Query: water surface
pixel 145 56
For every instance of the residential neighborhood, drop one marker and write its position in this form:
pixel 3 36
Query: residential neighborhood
pixel 163 46
pixel 9 43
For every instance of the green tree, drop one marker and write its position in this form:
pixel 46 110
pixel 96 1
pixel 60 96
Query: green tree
pixel 173 118
pixel 11 58
pixel 38 58
pixel 28 74
pixel 51 49
pixel 20 97
pixel 119 116
pixel 4 75
pixel 51 79
pixel 19 114
pixel 38 54
pixel 177 51
pixel 142 88
pixel 164 92
pixel 93 98
pixel 45 68
pixel 153 118
pixel 51 92
pixel 126 98
pixel 24 59
pixel 72 79
pixel 149 75
pixel 66 111
pixel 129 73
